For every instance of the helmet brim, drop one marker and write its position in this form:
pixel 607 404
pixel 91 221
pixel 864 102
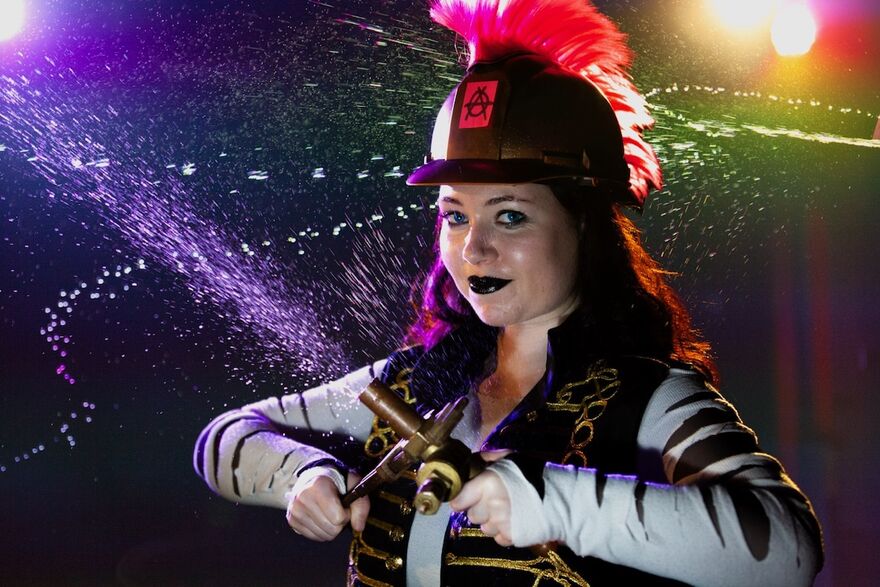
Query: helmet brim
pixel 483 171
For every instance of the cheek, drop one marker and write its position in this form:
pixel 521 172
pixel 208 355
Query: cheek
pixel 448 253
pixel 551 261
pixel 566 264
pixel 444 247
pixel 540 252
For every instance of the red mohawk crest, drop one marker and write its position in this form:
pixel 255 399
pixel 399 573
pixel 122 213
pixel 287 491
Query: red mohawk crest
pixel 573 34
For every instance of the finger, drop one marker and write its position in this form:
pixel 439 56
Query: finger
pixel 303 524
pixel 360 510
pixel 317 513
pixel 493 455
pixel 353 479
pixel 322 501
pixel 308 505
pixel 502 533
pixel 497 532
pixel 469 495
pixel 312 530
pixel 478 514
pixel 332 510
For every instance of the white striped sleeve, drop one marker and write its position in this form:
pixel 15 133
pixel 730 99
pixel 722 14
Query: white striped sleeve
pixel 723 513
pixel 245 455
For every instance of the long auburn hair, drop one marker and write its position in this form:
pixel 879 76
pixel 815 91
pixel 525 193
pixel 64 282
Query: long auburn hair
pixel 630 303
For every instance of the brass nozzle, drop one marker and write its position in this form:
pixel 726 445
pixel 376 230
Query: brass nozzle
pixel 386 404
pixel 430 495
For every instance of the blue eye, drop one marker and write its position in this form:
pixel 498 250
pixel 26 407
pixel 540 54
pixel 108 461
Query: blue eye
pixel 454 217
pixel 510 218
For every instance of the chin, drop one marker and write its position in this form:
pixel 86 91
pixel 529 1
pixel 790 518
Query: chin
pixel 493 316
pixel 489 321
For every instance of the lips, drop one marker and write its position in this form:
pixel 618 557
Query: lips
pixel 486 285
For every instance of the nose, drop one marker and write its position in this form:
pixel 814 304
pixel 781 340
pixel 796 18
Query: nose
pixel 479 246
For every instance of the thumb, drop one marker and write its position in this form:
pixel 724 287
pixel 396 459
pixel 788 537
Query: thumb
pixel 360 510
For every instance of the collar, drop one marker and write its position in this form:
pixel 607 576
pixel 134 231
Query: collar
pixel 449 369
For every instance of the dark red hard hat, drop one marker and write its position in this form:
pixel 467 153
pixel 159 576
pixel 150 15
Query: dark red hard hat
pixel 525 119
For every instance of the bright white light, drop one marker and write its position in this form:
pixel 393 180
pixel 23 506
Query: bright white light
pixel 743 14
pixel 794 30
pixel 11 18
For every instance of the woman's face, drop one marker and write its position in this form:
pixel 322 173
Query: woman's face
pixel 512 252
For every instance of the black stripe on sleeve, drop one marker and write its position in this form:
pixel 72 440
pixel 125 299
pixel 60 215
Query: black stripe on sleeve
pixel 236 458
pixel 601 480
pixel 731 474
pixel 753 521
pixel 219 436
pixel 200 452
pixel 305 413
pixel 281 467
pixel 639 494
pixel 703 418
pixel 709 502
pixel 692 399
pixel 708 451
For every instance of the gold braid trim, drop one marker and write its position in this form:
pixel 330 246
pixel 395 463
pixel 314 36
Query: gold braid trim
pixel 384 434
pixel 405 505
pixel 468 532
pixel 558 571
pixel 605 383
pixel 354 574
pixel 395 533
pixel 359 547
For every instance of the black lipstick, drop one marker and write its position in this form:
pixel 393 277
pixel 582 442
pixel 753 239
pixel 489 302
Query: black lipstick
pixel 486 285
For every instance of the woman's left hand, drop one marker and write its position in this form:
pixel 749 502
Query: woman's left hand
pixel 486 501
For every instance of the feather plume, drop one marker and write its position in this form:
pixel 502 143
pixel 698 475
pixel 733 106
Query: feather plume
pixel 574 34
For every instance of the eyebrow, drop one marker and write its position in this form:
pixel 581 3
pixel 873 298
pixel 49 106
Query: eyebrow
pixel 490 202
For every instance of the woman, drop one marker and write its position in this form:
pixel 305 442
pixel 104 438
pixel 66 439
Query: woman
pixel 590 392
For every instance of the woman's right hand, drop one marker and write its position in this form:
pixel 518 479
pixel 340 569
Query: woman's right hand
pixel 316 511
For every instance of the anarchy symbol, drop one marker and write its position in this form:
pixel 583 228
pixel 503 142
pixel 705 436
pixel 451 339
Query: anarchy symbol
pixel 480 105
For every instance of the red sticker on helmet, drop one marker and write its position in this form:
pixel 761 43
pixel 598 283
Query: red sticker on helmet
pixel 479 99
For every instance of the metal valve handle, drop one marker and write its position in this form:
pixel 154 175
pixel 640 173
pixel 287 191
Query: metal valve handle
pixel 420 438
pixel 446 462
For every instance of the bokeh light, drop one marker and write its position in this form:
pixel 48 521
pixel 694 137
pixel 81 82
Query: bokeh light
pixel 794 30
pixel 11 18
pixel 744 14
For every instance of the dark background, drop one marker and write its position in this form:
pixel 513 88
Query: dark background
pixel 769 218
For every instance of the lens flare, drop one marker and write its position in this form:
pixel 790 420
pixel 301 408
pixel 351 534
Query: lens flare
pixel 794 30
pixel 744 14
pixel 11 18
